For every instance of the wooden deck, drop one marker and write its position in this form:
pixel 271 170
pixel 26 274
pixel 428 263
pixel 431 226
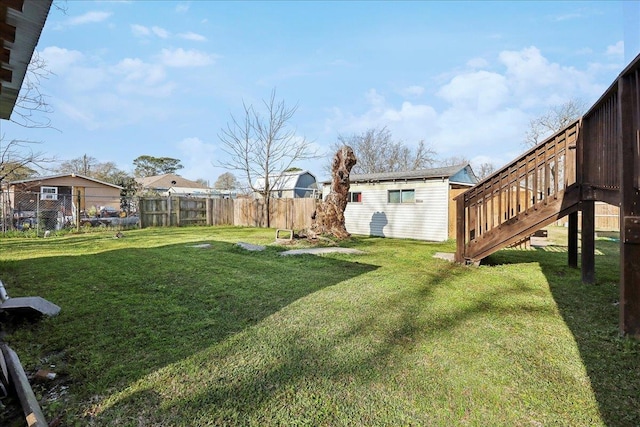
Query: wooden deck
pixel 596 158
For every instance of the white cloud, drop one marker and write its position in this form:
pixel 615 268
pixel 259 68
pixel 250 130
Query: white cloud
pixel 197 157
pixel 585 51
pixel 59 59
pixel 192 36
pixel 484 114
pixel 410 123
pixel 182 7
pixel 536 82
pixel 160 32
pixel 138 77
pixel 140 30
pixel 616 49
pixel 88 18
pixel 481 90
pixel 567 17
pixel 134 69
pixel 412 91
pixel 186 58
pixel 476 63
pixel 77 114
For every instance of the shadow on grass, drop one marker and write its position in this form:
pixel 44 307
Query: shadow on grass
pixel 319 374
pixel 592 314
pixel 129 312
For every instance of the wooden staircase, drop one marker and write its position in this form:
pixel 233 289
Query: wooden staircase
pixel 529 193
pixel 596 158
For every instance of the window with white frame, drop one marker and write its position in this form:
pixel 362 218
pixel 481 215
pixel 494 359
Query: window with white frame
pixel 48 193
pixel 401 196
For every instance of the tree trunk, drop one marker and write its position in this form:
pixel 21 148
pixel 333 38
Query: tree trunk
pixel 329 217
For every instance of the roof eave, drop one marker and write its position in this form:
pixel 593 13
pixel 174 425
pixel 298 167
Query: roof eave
pixel 24 23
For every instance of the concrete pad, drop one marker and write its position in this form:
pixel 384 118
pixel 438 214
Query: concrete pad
pixel 539 242
pixel 250 247
pixel 318 251
pixel 445 256
pixel 202 246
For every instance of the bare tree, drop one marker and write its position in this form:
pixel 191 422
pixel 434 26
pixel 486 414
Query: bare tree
pixel 552 121
pixel 17 156
pixel 262 146
pixel 18 160
pixel 484 170
pixel 227 181
pixel 31 109
pixel 81 165
pixel 91 167
pixel 378 152
pixel 453 161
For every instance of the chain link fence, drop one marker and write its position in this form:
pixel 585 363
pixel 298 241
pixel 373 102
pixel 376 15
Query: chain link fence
pixel 42 211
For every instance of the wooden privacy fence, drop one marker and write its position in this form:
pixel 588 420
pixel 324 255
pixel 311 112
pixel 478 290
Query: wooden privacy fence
pixel 607 217
pixel 285 213
pixel 181 211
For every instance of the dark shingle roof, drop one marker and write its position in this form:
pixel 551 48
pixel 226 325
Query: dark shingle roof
pixel 444 172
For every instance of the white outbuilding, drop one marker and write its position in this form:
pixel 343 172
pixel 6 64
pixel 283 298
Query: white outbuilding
pixel 414 204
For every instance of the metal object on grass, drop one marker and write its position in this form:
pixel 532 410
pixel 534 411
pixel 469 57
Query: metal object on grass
pixel 18 378
pixel 26 305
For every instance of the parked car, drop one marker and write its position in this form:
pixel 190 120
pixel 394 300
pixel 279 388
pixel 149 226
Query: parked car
pixel 109 212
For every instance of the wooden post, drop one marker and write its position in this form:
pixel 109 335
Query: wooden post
pixel 178 213
pixel 78 210
pixel 169 207
pixel 141 213
pixel 209 213
pixel 588 241
pixel 460 229
pixel 629 161
pixel 572 244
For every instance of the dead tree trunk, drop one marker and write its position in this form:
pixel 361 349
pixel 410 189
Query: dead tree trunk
pixel 328 219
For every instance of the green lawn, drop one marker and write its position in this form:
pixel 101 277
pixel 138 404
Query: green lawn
pixel 156 331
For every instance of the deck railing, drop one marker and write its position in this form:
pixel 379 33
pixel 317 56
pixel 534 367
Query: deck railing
pixel 528 183
pixel 596 158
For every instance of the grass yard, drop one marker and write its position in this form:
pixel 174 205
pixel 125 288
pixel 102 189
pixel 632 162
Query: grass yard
pixel 155 331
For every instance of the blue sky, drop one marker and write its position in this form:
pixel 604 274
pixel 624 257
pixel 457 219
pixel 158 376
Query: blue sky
pixel 161 78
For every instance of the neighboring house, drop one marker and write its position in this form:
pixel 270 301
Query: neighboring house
pixel 415 204
pixel 62 195
pixel 291 185
pixel 162 183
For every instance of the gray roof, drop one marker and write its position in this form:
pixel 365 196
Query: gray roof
pixel 62 175
pixel 444 172
pixel 166 181
pixel 284 181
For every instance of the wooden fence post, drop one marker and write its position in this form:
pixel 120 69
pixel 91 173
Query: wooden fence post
pixel 209 212
pixel 78 210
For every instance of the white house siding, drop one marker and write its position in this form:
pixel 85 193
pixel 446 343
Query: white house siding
pixel 426 219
